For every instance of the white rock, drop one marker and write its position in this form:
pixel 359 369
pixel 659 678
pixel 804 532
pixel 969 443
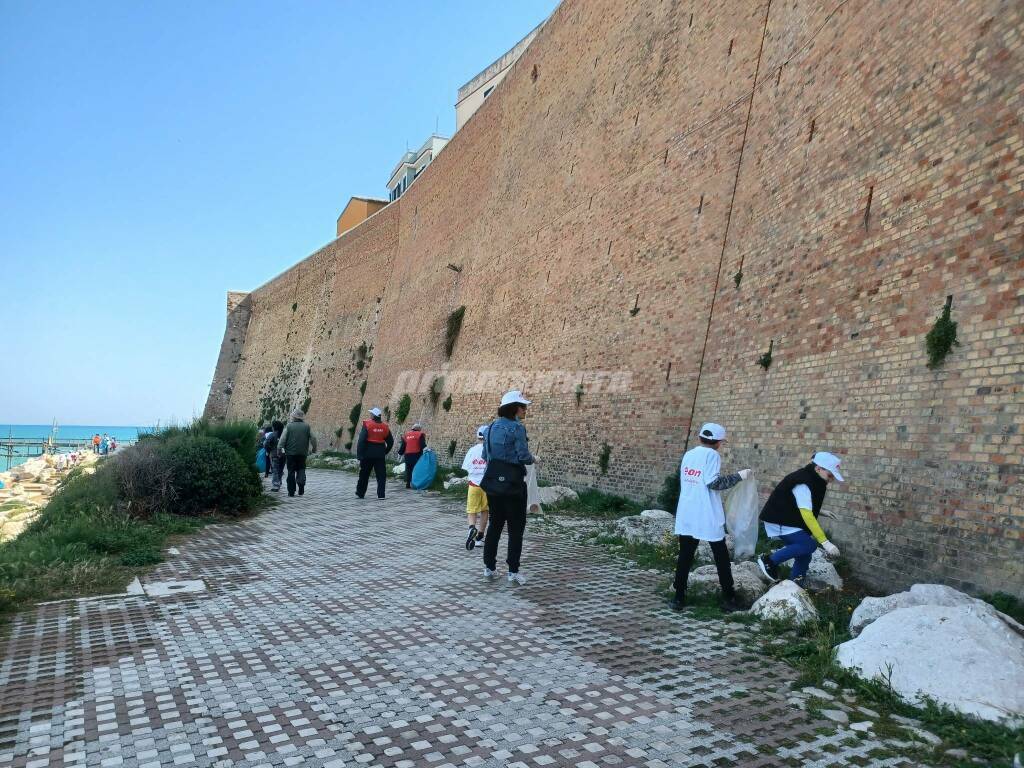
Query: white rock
pixel 862 727
pixel 552 494
pixel 967 658
pixel 871 608
pixel 456 482
pixel 656 514
pixel 746 580
pixel 646 530
pixel 787 602
pixel 822 574
pixel 399 470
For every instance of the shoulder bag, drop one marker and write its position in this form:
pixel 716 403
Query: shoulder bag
pixel 502 478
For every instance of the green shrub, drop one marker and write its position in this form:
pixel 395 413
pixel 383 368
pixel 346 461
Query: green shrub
pixel 208 476
pixel 404 405
pixel 240 435
pixel 668 496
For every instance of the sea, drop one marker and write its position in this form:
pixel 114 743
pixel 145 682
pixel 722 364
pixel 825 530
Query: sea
pixel 65 432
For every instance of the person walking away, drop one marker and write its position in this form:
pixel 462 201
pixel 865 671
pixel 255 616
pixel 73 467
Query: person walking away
pixel 96 443
pixel 265 433
pixel 375 442
pixel 295 443
pixel 700 516
pixel 104 445
pixel 274 460
pixel 411 445
pixel 791 514
pixel 507 452
pixel 476 500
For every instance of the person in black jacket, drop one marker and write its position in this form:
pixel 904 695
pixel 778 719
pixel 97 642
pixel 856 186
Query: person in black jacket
pixel 791 514
pixel 375 442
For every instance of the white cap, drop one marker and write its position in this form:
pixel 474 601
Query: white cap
pixel 417 425
pixel 514 396
pixel 712 431
pixel 375 412
pixel 828 461
pixel 481 431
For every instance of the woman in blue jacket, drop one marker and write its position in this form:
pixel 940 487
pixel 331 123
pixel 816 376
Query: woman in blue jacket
pixel 506 441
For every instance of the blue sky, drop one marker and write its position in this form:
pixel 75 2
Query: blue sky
pixel 155 155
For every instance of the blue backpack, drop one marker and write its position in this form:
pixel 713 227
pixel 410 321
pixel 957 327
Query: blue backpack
pixel 261 460
pixel 424 471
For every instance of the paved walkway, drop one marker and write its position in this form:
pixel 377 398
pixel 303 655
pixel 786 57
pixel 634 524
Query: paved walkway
pixel 340 632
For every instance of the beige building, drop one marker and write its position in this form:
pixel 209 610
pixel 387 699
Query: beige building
pixel 473 93
pixel 358 210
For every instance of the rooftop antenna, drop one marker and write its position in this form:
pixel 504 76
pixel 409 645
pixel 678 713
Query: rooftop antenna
pixel 437 120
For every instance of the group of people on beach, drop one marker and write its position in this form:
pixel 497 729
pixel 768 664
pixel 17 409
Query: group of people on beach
pixel 497 467
pixel 103 445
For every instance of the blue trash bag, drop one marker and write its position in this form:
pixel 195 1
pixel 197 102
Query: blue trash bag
pixel 424 471
pixel 261 460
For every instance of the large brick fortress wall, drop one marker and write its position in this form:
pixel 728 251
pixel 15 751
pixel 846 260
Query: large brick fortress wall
pixel 668 188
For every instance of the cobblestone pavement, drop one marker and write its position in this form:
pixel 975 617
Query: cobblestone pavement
pixel 340 632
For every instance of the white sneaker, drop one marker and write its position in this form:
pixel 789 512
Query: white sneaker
pixel 515 578
pixel 488 573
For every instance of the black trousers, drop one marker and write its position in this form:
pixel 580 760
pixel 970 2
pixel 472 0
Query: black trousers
pixel 379 468
pixel 510 509
pixel 687 549
pixel 410 465
pixel 296 472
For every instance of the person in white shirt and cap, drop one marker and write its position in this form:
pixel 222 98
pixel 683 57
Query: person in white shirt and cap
pixel 700 515
pixel 791 514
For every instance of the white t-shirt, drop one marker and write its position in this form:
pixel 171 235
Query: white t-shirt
pixel 474 463
pixel 699 513
pixel 802 494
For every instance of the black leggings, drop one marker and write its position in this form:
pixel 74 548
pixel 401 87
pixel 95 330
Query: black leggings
pixel 687 549
pixel 511 509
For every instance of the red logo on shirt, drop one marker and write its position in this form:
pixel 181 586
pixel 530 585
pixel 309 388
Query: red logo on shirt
pixel 692 472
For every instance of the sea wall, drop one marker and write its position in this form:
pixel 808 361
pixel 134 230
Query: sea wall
pixel 664 191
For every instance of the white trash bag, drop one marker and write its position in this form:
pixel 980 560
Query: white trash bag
pixel 741 517
pixel 532 490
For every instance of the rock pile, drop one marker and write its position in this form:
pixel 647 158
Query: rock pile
pixel 939 644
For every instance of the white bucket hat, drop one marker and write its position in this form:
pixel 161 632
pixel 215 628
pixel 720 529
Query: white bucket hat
pixel 828 461
pixel 514 396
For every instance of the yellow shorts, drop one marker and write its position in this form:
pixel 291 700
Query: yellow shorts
pixel 476 500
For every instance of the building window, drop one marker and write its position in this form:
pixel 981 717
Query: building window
pixel 488 91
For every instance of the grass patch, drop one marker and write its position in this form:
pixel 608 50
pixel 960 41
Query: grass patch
pixel 598 505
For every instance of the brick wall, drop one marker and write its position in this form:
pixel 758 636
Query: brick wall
pixel 600 204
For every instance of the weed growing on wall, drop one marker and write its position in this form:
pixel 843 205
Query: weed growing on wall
pixel 604 457
pixel 451 449
pixel 452 330
pixel 668 496
pixel 765 360
pixel 404 404
pixel 447 404
pixel 436 387
pixel 942 337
